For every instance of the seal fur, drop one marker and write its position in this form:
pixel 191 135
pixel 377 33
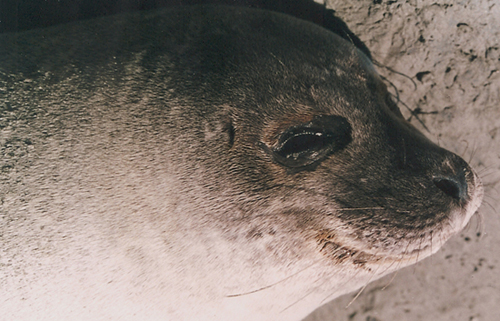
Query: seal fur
pixel 208 163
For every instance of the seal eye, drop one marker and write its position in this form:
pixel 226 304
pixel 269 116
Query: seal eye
pixel 302 143
pixel 311 142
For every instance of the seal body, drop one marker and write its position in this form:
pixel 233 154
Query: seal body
pixel 207 163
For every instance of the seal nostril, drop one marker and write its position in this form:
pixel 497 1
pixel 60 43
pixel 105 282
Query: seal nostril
pixel 452 187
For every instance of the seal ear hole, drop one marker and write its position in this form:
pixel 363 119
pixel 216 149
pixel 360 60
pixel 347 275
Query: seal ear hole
pixel 228 129
pixel 308 143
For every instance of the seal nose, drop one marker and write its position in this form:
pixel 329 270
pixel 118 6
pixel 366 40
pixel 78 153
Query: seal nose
pixel 453 185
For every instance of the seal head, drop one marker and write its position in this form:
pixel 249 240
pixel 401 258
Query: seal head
pixel 208 163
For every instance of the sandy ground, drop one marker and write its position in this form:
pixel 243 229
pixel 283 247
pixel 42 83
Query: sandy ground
pixel 451 52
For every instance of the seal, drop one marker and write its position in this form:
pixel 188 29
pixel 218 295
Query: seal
pixel 207 163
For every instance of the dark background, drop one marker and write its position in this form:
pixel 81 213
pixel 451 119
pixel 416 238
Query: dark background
pixel 19 15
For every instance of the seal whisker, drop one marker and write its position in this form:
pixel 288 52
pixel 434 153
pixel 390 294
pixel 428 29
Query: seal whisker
pixel 390 281
pixel 473 153
pixel 489 205
pixel 419 249
pixel 279 60
pixel 340 285
pixel 307 294
pixel 399 261
pixel 431 243
pixel 489 195
pixel 302 298
pixel 360 208
pixel 479 224
pixel 363 288
pixel 405 253
pixel 390 265
pixel 274 284
pixel 465 149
